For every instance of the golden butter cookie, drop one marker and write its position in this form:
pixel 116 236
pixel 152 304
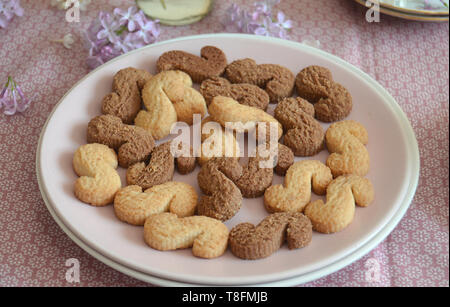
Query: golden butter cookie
pixel 227 110
pixel 211 63
pixel 133 206
pixel 125 99
pixel 339 210
pixel 210 147
pixel 345 141
pixel 169 97
pixel 255 242
pixel 208 237
pixel 295 193
pixel 99 181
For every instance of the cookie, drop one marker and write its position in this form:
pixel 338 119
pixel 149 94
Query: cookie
pixel 345 142
pixel 339 210
pixel 227 110
pixel 249 242
pixel 246 94
pixel 125 99
pixel 211 63
pixel 254 179
pixel 276 80
pixel 332 101
pixel 159 170
pixel 285 159
pixel 99 181
pixel 133 144
pixel 295 193
pixel 312 83
pixel 222 199
pixel 133 206
pixel 208 237
pixel 169 97
pixel 185 163
pixel 304 134
pixel 215 144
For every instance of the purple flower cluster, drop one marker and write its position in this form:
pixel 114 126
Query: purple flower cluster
pixel 111 35
pixel 13 98
pixel 9 8
pixel 260 21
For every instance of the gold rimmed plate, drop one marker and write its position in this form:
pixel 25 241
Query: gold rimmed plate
pixel 408 15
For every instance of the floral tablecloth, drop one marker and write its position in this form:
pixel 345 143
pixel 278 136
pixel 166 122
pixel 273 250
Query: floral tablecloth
pixel 410 59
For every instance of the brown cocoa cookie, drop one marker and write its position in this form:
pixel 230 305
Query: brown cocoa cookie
pixel 159 170
pixel 312 83
pixel 304 134
pixel 246 94
pixel 276 80
pixel 332 101
pixel 186 163
pixel 125 99
pixel 161 167
pixel 132 143
pixel 249 242
pixel 285 159
pixel 257 174
pixel 255 179
pixel 336 106
pixel 211 63
pixel 223 198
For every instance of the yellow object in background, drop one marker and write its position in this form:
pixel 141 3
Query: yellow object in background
pixel 176 12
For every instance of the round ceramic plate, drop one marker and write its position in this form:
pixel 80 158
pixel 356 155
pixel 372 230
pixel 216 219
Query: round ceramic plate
pixel 434 7
pixel 394 174
pixel 410 15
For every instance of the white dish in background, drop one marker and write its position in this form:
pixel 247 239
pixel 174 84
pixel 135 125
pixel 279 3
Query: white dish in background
pixel 440 15
pixel 394 173
pixel 435 7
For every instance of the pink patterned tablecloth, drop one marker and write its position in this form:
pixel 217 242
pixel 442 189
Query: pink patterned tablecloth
pixel 410 59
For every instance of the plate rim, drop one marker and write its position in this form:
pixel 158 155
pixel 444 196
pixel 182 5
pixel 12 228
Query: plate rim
pixel 297 280
pixel 408 11
pixel 409 16
pixel 397 111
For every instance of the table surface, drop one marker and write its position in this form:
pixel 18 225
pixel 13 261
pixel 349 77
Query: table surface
pixel 410 59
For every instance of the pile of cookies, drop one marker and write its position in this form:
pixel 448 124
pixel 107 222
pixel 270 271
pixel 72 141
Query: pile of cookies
pixel 142 108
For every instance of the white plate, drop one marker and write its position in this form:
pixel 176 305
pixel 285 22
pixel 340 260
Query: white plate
pixel 394 173
pixel 435 7
pixel 410 14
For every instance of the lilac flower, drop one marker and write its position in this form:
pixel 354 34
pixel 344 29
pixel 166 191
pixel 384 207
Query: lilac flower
pixel 9 8
pixel 13 98
pixel 260 21
pixel 148 31
pixel 128 17
pixel 111 35
pixel 110 26
pixel 265 7
pixel 67 40
pixel 266 28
